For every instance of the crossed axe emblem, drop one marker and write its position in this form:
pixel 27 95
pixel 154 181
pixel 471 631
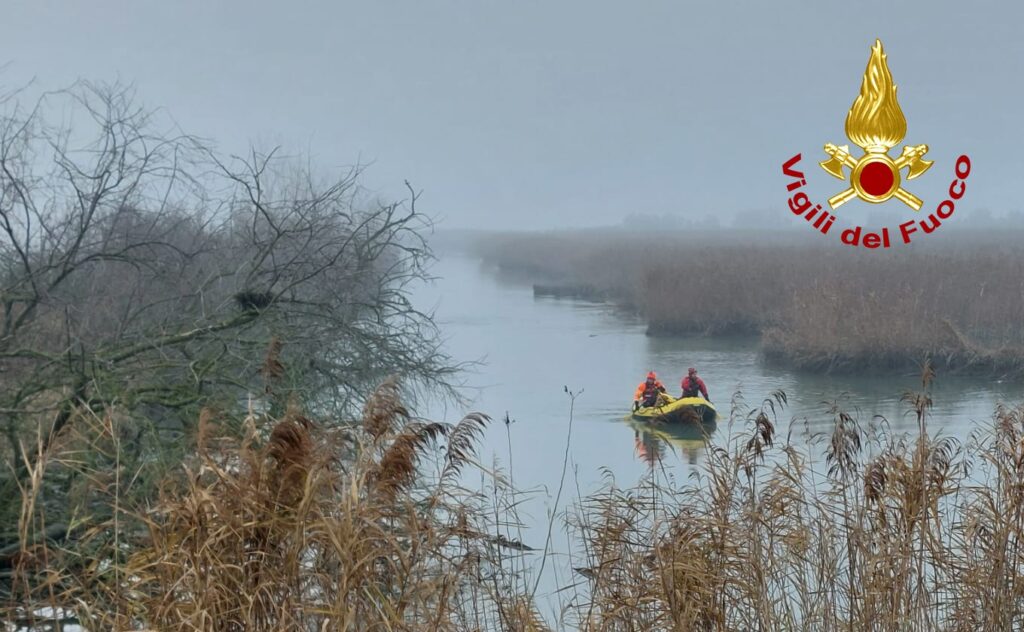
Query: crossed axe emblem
pixel 875 177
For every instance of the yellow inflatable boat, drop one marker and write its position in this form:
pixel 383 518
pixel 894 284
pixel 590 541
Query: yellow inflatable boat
pixel 672 410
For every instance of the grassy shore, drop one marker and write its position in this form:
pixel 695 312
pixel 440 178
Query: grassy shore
pixel 958 300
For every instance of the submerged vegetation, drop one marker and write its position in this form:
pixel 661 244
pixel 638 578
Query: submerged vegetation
pixel 959 302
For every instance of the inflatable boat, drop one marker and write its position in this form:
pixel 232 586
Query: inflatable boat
pixel 682 410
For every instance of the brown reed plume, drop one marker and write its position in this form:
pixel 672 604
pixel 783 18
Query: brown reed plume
pixel 288 527
pixel 272 369
pixel 384 412
pixel 867 531
pixel 398 466
pixel 285 527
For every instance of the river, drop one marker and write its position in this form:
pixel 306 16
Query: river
pixel 530 350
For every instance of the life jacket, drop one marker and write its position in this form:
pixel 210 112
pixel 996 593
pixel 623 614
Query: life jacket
pixel 691 388
pixel 651 392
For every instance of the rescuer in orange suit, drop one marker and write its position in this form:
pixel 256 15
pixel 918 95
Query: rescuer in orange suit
pixel 648 391
pixel 693 386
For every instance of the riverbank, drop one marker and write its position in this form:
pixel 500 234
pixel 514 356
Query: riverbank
pixel 959 301
pixel 267 532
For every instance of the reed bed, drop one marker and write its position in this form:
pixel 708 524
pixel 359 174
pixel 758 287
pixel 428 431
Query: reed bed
pixel 884 532
pixel 289 524
pixel 958 301
pixel 292 524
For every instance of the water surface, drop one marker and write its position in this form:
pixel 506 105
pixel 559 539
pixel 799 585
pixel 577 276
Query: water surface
pixel 532 349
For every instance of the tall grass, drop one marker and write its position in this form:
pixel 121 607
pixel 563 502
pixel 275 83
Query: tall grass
pixel 291 524
pixel 884 533
pixel 958 301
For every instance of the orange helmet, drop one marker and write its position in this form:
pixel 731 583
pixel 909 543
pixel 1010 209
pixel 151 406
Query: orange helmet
pixel 651 376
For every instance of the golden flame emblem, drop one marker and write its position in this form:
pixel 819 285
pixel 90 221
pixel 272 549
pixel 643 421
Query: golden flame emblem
pixel 876 124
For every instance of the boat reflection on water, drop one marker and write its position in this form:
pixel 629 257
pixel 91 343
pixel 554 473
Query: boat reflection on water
pixel 653 439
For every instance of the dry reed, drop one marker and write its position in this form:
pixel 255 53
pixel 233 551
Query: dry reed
pixel 299 526
pixel 293 526
pixel 958 301
pixel 883 533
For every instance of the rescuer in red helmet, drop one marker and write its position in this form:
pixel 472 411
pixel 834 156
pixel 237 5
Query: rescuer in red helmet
pixel 648 391
pixel 693 386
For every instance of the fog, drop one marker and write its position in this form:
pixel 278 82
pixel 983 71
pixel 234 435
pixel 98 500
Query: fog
pixel 555 115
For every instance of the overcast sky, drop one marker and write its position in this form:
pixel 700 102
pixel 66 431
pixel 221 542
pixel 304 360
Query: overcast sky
pixel 554 114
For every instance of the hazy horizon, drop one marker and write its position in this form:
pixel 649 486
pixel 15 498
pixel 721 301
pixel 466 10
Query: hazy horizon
pixel 554 115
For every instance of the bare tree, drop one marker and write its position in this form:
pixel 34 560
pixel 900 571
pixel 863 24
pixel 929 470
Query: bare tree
pixel 140 269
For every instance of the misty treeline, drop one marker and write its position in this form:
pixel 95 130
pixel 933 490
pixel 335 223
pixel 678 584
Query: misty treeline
pixel 958 300
pixel 144 272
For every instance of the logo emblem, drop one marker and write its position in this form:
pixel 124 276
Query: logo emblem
pixel 876 124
